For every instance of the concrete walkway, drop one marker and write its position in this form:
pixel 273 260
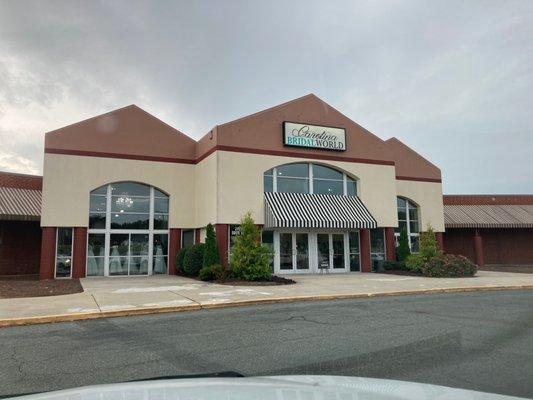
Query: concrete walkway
pixel 105 297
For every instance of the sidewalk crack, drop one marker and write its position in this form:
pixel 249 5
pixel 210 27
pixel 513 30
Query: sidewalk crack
pixel 188 298
pixel 95 302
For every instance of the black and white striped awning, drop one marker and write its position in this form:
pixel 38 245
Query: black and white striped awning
pixel 300 210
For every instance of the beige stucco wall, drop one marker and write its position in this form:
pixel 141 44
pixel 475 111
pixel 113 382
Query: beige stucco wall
pixel 205 210
pixel 68 180
pixel 240 185
pixel 219 189
pixel 428 196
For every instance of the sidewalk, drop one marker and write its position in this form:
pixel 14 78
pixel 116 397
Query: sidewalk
pixel 106 297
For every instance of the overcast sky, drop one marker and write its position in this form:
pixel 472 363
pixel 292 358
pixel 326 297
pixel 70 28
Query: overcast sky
pixel 452 79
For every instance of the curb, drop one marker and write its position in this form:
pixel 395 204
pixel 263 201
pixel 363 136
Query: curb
pixel 4 323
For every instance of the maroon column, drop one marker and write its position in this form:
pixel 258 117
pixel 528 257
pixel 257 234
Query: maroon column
pixel 48 253
pixel 174 246
pixel 364 253
pixel 197 236
pixel 79 252
pixel 221 231
pixel 389 244
pixel 440 240
pixel 478 249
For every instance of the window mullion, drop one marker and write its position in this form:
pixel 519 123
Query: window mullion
pixel 310 175
pixel 344 185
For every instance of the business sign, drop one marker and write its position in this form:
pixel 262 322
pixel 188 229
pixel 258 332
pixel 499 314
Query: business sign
pixel 314 136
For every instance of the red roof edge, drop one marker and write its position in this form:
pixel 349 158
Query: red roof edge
pixel 21 181
pixel 496 199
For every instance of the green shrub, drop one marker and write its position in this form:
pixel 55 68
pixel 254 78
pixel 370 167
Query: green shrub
pixel 214 272
pixel 394 265
pixel 194 259
pixel 250 259
pixel 180 257
pixel 428 250
pixel 414 262
pixel 211 256
pixel 403 251
pixel 449 265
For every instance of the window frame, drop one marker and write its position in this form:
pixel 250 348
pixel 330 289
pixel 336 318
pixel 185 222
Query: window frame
pixel 272 174
pixel 409 205
pixel 71 253
pixel 108 231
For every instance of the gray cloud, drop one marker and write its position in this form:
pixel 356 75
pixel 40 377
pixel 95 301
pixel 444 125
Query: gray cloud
pixel 452 79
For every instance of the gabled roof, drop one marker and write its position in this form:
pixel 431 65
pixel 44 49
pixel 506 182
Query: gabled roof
pixel 410 164
pixel 262 132
pixel 128 131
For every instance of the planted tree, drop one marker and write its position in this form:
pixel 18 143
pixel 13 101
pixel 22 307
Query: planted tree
pixel 211 255
pixel 403 251
pixel 428 250
pixel 249 258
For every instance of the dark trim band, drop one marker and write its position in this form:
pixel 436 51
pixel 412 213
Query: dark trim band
pixel 118 155
pixel 212 150
pixel 409 178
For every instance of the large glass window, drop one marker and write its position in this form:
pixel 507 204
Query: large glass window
pixel 128 230
pixel 308 178
pixel 377 248
pixel 187 238
pixel 408 220
pixel 64 253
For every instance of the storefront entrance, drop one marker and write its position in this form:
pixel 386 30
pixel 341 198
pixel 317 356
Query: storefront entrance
pixel 293 252
pixel 313 252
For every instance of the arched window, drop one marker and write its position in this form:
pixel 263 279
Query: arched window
pixel 128 230
pixel 408 220
pixel 308 178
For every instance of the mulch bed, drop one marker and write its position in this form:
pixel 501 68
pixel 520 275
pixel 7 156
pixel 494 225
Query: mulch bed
pixel 274 281
pixel 31 286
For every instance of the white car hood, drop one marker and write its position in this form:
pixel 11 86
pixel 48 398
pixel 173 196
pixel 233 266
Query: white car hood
pixel 268 388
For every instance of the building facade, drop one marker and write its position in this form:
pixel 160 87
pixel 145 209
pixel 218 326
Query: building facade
pixel 123 192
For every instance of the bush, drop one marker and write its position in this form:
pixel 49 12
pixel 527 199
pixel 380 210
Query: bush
pixel 179 259
pixel 211 256
pixel 449 265
pixel 250 259
pixel 214 272
pixel 394 265
pixel 403 251
pixel 428 250
pixel 194 259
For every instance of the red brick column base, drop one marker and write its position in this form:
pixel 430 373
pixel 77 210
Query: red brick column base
pixel 48 253
pixel 197 235
pixel 221 231
pixel 174 246
pixel 390 247
pixel 478 249
pixel 364 251
pixel 79 253
pixel 440 240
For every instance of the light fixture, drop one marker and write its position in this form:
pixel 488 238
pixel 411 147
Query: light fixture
pixel 124 201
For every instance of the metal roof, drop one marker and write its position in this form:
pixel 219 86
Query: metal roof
pixel 488 216
pixel 20 204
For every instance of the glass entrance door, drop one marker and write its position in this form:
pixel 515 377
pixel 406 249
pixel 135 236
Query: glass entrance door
pixel 337 240
pixel 331 251
pixel 322 241
pixel 293 251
